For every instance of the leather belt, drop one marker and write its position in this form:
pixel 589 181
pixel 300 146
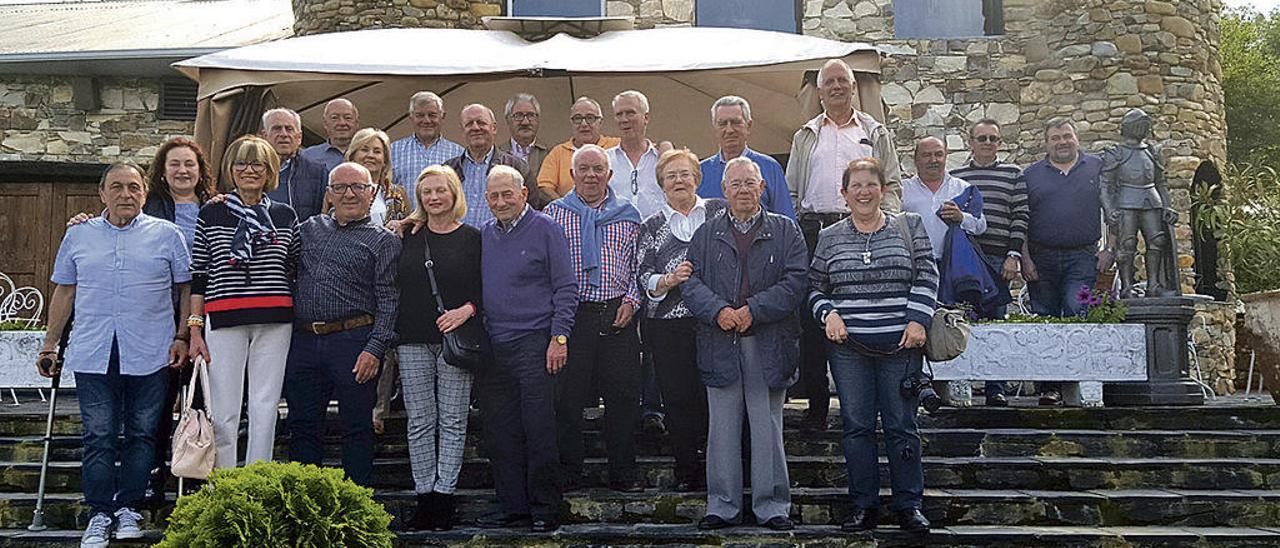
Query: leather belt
pixel 329 328
pixel 823 219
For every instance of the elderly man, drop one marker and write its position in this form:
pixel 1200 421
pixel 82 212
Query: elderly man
pixel 554 178
pixel 530 294
pixel 749 278
pixel 731 118
pixel 472 166
pixel 341 120
pixel 426 147
pixel 121 271
pixel 820 150
pixel 345 305
pixel 1063 229
pixel 635 160
pixel 523 112
pixel 605 346
pixel 931 195
pixel 1004 206
pixel 301 180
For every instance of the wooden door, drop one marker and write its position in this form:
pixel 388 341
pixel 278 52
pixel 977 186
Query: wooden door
pixel 33 218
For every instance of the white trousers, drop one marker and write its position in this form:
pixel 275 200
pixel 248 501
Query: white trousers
pixel 261 350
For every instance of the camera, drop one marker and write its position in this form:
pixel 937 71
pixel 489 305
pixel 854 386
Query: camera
pixel 918 386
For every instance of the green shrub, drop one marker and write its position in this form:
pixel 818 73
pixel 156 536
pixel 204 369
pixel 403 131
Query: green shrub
pixel 1244 213
pixel 20 325
pixel 270 504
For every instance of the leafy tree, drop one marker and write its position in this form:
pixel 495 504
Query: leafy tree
pixel 1250 54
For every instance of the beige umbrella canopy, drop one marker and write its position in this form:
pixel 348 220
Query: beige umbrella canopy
pixel 681 70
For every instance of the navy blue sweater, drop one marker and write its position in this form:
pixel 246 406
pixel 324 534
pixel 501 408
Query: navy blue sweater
pixel 528 278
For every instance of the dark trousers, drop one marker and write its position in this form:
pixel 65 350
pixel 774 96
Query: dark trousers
pixel 517 400
pixel 107 402
pixel 996 262
pixel 611 356
pixel 813 340
pixel 676 363
pixel 319 369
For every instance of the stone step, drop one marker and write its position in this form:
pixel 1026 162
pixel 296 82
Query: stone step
pixel 1049 473
pixel 813 506
pixel 803 537
pixel 944 442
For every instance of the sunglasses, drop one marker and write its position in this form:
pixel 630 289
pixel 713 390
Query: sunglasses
pixel 987 138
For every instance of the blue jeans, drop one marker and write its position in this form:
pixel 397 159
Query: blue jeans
pixel 868 386
pixel 319 368
pixel 1062 274
pixel 108 401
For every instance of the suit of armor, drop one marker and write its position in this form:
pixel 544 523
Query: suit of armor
pixel 1135 199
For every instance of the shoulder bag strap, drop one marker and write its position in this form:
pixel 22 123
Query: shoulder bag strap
pixel 431 275
pixel 901 221
pixel 199 376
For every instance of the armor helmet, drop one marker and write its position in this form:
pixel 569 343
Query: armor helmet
pixel 1136 124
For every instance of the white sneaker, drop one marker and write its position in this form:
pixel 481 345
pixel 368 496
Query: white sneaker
pixel 127 524
pixel 98 533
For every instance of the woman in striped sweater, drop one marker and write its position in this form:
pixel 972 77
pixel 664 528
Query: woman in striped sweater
pixel 875 295
pixel 242 267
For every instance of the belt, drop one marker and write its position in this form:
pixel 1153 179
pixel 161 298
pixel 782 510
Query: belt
pixel 824 219
pixel 329 328
pixel 596 306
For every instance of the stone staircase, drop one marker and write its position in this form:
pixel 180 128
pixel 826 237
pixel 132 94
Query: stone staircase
pixel 995 477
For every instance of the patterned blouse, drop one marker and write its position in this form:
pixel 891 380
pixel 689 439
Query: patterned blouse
pixel 659 251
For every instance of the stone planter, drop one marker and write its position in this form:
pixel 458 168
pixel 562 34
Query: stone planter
pixel 1260 332
pixel 18 351
pixel 1081 355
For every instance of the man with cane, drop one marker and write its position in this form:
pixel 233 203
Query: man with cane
pixel 119 270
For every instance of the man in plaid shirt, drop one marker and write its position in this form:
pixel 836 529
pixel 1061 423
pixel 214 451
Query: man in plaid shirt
pixel 604 345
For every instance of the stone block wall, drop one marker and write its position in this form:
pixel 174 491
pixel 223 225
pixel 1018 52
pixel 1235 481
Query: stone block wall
pixel 38 121
pixel 314 17
pixel 1214 336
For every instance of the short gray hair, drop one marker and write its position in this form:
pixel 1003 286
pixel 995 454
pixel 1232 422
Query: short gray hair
pixel 1057 122
pixel 486 109
pixel 584 148
pixel 836 63
pixel 297 120
pixel 741 160
pixel 644 101
pixel 505 171
pixel 424 97
pixel 731 101
pixel 521 98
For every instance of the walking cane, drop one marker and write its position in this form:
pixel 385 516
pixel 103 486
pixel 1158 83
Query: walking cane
pixel 54 366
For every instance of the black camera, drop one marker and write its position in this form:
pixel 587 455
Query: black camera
pixel 918 386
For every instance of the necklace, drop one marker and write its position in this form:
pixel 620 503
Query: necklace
pixel 866 251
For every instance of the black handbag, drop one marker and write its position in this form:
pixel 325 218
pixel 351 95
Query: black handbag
pixel 467 346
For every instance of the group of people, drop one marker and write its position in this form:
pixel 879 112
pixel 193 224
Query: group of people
pixel 330 272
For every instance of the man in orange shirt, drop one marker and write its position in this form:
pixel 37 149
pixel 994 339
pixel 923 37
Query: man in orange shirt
pixel 554 179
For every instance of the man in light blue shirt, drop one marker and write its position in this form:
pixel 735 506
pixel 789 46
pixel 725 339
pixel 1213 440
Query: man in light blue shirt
pixel 120 270
pixel 731 116
pixel 425 148
pixel 341 120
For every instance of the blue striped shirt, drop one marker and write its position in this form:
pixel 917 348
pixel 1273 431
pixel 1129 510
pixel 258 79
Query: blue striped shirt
pixel 475 178
pixel 409 158
pixel 875 299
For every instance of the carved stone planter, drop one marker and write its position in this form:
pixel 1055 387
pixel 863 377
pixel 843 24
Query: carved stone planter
pixel 18 351
pixel 1083 356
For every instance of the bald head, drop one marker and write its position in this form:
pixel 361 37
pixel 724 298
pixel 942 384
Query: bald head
pixel 350 191
pixel 931 160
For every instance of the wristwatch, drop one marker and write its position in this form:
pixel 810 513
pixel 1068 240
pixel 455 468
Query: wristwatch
pixel 560 339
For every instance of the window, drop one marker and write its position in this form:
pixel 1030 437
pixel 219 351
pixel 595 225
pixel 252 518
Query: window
pixel 177 100
pixel 947 18
pixel 778 15
pixel 555 8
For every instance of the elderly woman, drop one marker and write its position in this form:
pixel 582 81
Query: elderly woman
pixel 437 395
pixel 242 264
pixel 668 325
pixel 875 293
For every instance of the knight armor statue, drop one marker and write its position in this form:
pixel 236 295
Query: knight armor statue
pixel 1135 199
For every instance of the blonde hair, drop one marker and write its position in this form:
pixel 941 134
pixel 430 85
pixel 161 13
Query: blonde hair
pixel 362 138
pixel 253 149
pixel 455 187
pixel 673 155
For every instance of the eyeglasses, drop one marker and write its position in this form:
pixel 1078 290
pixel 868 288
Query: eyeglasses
pixel 522 116
pixel 342 188
pixel 584 119
pixel 242 165
pixel 677 175
pixel 987 138
pixel 742 183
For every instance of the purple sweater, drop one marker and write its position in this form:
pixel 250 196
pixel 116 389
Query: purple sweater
pixel 528 279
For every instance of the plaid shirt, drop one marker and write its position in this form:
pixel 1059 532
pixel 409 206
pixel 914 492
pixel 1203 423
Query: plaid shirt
pixel 617 263
pixel 409 158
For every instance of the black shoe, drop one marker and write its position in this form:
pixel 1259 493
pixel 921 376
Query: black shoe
pixel 779 523
pixel 653 425
pixel 997 400
pixel 424 515
pixel 1051 398
pixel 627 485
pixel 500 520
pixel 912 521
pixel 862 519
pixel 711 522
pixel 543 525
pixel 446 512
pixel 152 498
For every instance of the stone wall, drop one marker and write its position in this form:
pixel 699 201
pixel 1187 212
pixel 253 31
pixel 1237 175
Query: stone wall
pixel 39 122
pixel 314 17
pixel 1214 334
